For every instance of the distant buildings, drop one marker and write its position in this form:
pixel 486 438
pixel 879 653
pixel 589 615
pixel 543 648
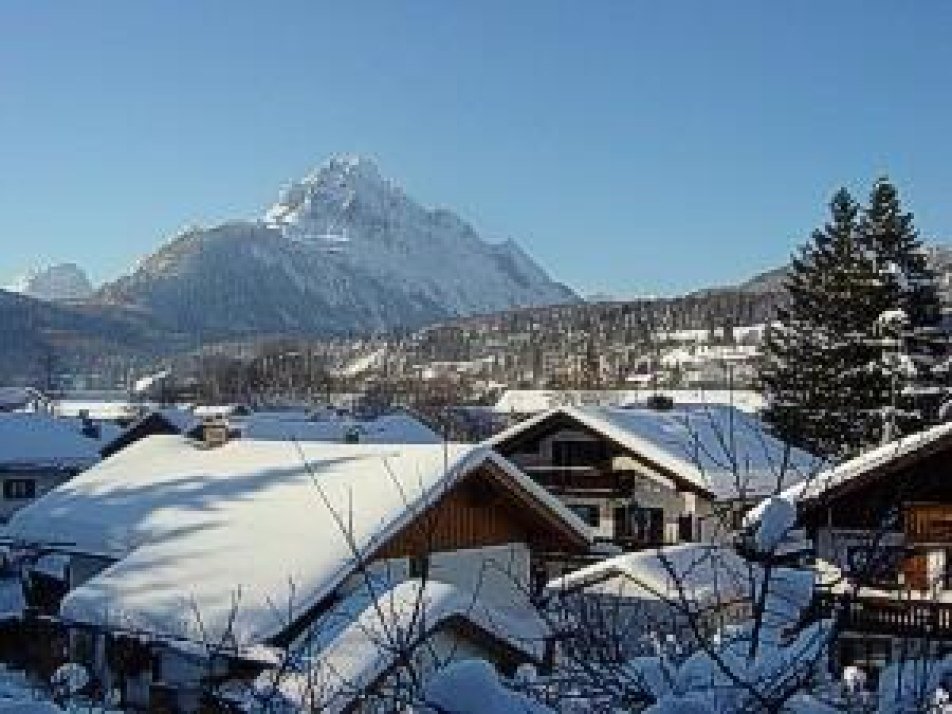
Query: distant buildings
pixel 37 453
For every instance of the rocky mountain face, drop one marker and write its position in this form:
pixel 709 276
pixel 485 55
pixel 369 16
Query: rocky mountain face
pixel 55 283
pixel 342 251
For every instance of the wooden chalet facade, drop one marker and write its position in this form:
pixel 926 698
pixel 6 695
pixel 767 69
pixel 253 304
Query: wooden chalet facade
pixel 884 520
pixel 645 477
pixel 625 498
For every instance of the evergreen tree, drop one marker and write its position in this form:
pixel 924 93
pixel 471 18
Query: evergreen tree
pixel 816 371
pixel 911 340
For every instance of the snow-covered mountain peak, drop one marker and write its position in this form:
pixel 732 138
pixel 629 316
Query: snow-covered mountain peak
pixel 60 281
pixel 330 193
pixel 343 248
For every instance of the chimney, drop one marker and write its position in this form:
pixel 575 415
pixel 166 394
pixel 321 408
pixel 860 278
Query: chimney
pixel 214 432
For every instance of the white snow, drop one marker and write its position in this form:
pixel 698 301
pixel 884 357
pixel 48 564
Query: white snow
pixel 399 428
pixel 696 573
pixel 718 449
pixel 534 401
pixel 254 529
pixel 144 384
pixel 39 440
pixel 778 515
pixel 375 623
pixel 473 687
pixel 431 255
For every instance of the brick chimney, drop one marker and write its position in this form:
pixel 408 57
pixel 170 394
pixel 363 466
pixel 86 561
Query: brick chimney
pixel 214 432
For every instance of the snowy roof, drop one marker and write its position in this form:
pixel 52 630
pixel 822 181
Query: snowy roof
pixel 705 572
pixel 186 521
pixel 696 576
pixel 719 450
pixel 108 409
pixel 881 460
pixel 12 398
pixel 534 401
pixel 339 667
pixel 39 440
pixel 179 420
pixel 397 428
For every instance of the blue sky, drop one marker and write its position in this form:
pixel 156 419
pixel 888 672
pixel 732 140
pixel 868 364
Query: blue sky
pixel 631 147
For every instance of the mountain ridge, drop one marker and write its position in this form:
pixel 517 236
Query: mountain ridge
pixel 341 250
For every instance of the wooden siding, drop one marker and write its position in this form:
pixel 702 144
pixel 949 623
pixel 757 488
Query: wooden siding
pixel 869 503
pixel 477 512
pixel 928 523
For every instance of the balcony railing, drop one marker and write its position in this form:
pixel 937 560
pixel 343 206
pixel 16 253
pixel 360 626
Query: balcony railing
pixel 581 479
pixel 887 616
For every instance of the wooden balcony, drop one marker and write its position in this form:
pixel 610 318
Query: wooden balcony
pixel 897 617
pixel 581 480
pixel 927 523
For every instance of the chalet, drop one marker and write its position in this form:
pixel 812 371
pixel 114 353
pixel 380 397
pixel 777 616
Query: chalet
pixel 37 453
pixel 160 421
pixel 644 477
pixel 267 566
pixel 881 526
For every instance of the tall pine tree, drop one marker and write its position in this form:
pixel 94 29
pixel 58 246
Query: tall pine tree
pixel 913 343
pixel 817 371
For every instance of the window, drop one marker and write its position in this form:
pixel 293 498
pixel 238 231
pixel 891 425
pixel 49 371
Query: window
pixel 579 453
pixel 419 565
pixel 645 525
pixel 875 565
pixel 588 512
pixel 687 530
pixel 17 488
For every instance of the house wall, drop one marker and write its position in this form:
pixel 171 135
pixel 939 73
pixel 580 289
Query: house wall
pixel 491 572
pixel 45 480
pixel 649 488
pixel 476 513
pixel 835 544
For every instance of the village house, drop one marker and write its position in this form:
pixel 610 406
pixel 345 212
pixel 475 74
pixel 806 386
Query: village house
pixel 881 529
pixel 170 420
pixel 643 477
pixel 37 453
pixel 256 569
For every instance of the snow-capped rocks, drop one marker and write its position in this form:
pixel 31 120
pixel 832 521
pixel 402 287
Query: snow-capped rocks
pixel 341 250
pixel 62 281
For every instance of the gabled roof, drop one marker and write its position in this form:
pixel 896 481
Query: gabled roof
pixel 690 572
pixel 860 470
pixel 399 428
pixel 534 401
pixel 341 662
pixel 716 450
pixel 38 440
pixel 158 421
pixel 255 530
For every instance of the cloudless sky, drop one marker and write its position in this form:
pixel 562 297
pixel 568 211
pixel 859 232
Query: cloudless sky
pixel 630 147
